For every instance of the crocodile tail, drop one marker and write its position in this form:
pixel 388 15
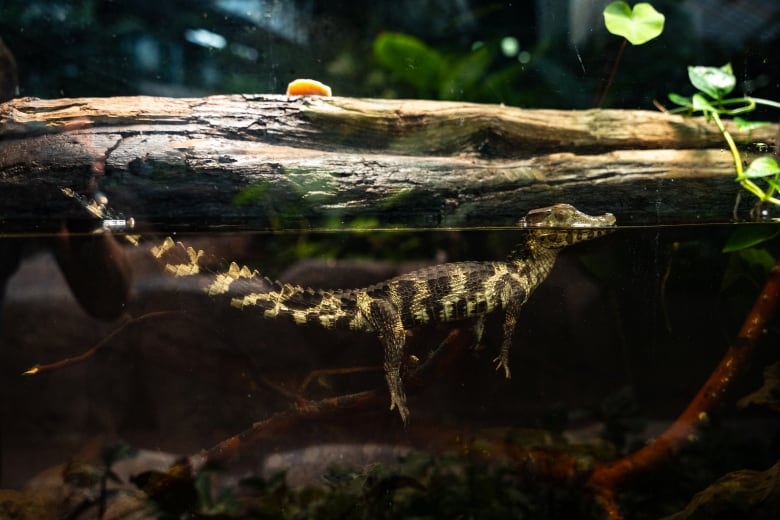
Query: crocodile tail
pixel 305 306
pixel 246 288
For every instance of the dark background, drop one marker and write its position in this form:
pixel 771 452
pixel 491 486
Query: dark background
pixel 622 334
pixel 67 48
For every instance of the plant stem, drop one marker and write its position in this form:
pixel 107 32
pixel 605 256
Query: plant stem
pixel 741 178
pixel 612 73
pixel 732 145
pixel 751 105
pixel 760 101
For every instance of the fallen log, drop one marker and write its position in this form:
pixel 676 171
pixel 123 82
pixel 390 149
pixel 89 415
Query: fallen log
pixel 269 161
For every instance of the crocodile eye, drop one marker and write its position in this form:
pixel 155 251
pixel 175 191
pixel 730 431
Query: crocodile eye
pixel 559 214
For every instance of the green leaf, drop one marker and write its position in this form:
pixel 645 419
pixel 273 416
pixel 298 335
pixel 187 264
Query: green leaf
pixel 250 194
pixel 758 257
pixel 743 125
pixel 465 73
pixel 749 235
pixel 716 82
pixel 638 26
pixel 762 167
pixel 411 60
pixel 700 103
pixel 680 100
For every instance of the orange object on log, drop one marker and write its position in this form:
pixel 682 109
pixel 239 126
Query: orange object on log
pixel 308 87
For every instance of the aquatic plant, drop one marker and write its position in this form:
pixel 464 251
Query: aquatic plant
pixel 637 26
pixel 713 85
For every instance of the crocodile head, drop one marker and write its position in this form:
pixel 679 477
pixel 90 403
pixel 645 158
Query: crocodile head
pixel 562 225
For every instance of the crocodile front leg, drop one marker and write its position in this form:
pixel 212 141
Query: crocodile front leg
pixel 510 322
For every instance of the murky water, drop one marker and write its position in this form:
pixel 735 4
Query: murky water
pixel 607 352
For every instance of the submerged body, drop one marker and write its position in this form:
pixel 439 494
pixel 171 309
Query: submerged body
pixel 441 293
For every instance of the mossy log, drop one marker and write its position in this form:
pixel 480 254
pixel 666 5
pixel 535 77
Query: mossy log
pixel 262 161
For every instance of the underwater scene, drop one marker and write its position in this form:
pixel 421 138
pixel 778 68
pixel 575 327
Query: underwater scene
pixel 413 259
pixel 134 389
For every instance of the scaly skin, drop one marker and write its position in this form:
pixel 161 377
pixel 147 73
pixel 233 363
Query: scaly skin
pixel 441 293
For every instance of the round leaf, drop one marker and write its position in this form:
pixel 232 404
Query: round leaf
pixel 638 25
pixel 762 167
pixel 700 103
pixel 716 82
pixel 749 235
pixel 744 125
pixel 680 100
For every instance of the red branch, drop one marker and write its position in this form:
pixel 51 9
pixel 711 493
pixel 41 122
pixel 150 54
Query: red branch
pixel 606 478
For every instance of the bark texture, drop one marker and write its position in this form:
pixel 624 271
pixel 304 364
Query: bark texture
pixel 264 161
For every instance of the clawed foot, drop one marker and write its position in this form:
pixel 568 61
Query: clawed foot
pixel 397 395
pixel 503 361
pixel 399 402
pixel 479 328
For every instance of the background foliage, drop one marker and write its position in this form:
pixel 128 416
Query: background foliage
pixel 533 54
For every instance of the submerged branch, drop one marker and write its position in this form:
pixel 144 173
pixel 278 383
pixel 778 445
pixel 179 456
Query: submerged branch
pixel 607 478
pixel 262 435
pixel 62 363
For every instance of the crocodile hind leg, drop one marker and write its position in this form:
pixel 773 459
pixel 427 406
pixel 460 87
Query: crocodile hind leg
pixel 386 321
pixel 394 353
pixel 510 321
